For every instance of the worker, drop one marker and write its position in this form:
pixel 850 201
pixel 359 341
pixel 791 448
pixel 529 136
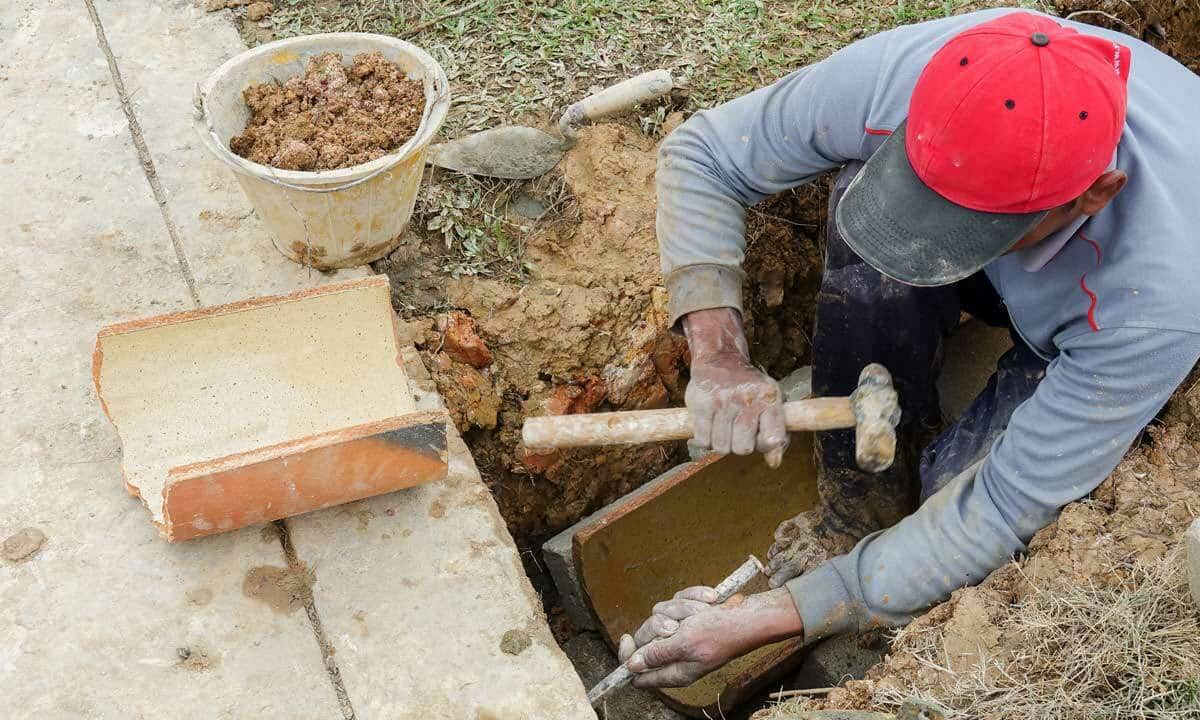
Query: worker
pixel 1034 172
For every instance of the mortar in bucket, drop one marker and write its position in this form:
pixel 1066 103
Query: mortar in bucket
pixel 331 218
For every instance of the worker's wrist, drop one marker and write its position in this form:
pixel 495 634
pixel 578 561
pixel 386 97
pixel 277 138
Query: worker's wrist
pixel 775 618
pixel 715 332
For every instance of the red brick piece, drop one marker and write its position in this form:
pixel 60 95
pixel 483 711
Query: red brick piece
pixel 461 342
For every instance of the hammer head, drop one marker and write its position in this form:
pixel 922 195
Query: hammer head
pixel 876 415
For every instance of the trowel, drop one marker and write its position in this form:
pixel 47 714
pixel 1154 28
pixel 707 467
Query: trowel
pixel 518 153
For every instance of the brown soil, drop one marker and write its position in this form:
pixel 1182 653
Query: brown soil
pixel 587 332
pixel 283 589
pixel 332 116
pixel 1169 25
pixel 22 545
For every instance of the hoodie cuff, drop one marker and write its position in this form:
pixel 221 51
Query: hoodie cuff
pixel 703 287
pixel 824 605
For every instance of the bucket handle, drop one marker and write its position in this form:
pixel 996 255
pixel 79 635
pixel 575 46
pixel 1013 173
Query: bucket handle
pixel 201 115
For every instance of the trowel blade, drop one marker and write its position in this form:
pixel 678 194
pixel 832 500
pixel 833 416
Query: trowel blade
pixel 511 151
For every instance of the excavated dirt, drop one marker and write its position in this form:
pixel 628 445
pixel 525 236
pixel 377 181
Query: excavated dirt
pixel 588 332
pixel 1172 26
pixel 332 116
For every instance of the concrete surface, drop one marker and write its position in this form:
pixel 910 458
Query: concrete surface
pixel 93 622
pixel 108 217
pixel 429 607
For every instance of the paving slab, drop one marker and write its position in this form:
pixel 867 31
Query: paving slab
pixel 424 597
pixel 427 610
pixel 100 618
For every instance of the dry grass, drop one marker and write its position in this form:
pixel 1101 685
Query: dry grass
pixel 1129 652
pixel 1126 653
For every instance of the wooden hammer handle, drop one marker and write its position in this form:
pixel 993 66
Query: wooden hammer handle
pixel 645 426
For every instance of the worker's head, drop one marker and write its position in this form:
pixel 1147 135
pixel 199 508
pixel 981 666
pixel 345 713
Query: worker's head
pixel 1011 134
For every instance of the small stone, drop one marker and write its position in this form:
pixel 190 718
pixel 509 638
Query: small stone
pixel 528 207
pixel 515 642
pixel 461 342
pixel 23 544
pixel 259 10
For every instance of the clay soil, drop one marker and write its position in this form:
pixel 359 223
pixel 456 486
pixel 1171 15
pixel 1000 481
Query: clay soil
pixel 332 116
pixel 588 330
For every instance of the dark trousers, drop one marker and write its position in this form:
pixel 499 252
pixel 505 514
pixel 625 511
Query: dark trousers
pixel 862 317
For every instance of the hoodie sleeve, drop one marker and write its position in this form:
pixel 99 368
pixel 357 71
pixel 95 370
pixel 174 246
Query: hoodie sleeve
pixel 1061 443
pixel 722 160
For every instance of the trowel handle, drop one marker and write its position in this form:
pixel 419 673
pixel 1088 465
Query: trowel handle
pixel 644 426
pixel 614 100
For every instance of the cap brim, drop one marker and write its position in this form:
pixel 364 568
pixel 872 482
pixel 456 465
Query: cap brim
pixel 907 231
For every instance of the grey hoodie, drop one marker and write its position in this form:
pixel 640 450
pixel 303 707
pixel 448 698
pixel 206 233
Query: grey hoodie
pixel 1116 311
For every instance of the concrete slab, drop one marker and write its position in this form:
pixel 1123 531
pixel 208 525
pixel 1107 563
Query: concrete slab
pixel 104 620
pixel 416 605
pixel 163 48
pixel 423 595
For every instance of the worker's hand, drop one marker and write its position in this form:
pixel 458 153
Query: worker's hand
pixel 665 618
pixel 710 637
pixel 796 549
pixel 736 408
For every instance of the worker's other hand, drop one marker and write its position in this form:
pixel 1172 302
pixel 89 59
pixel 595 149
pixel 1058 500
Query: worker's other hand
pixel 798 548
pixel 710 637
pixel 665 618
pixel 736 408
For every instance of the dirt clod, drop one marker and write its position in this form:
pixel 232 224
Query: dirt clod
pixel 23 544
pixel 332 116
pixel 196 659
pixel 199 596
pixel 259 10
pixel 215 5
pixel 515 642
pixel 283 589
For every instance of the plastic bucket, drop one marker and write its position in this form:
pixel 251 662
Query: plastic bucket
pixel 332 218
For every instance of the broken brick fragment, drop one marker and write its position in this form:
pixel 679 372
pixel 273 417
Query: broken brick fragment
pixel 331 418
pixel 461 342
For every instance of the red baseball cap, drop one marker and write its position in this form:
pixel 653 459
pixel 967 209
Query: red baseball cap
pixel 1009 120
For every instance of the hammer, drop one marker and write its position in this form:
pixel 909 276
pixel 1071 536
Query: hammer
pixel 873 410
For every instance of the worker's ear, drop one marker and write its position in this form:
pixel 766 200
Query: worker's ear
pixel 1101 193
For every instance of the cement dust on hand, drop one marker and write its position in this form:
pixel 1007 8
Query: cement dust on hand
pixel 23 544
pixel 332 116
pixel 283 589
